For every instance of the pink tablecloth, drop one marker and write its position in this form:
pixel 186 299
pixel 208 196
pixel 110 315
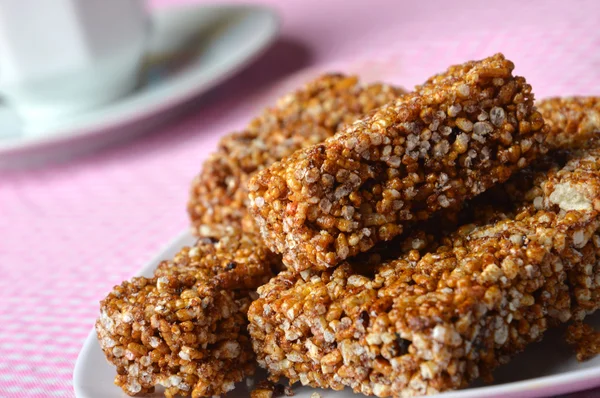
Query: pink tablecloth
pixel 69 232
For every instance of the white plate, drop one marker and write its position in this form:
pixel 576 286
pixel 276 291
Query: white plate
pixel 192 48
pixel 546 368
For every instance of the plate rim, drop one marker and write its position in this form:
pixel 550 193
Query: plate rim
pixel 66 133
pixel 562 383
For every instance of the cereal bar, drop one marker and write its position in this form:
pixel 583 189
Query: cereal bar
pixel 460 133
pixel 432 321
pixel 584 339
pixel 308 116
pixel 185 327
pixel 570 118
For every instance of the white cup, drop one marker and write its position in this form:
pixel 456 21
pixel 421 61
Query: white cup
pixel 60 57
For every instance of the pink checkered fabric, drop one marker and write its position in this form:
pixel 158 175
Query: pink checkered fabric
pixel 69 232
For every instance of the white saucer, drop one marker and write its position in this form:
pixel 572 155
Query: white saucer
pixel 192 48
pixel 548 368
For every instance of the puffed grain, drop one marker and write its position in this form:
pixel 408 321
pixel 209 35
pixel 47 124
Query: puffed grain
pixel 219 195
pixel 185 327
pixel 457 135
pixel 435 320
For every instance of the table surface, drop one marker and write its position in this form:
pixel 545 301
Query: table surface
pixel 69 232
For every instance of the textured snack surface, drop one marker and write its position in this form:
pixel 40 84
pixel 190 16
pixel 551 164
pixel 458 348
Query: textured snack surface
pixel 219 195
pixel 584 339
pixel 459 134
pixel 185 328
pixel 426 323
pixel 571 120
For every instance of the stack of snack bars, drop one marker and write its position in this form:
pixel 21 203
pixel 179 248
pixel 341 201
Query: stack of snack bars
pixel 428 322
pixel 186 328
pixel 359 236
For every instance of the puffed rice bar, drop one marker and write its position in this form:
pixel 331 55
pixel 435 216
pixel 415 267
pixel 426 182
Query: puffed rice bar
pixel 571 120
pixel 185 327
pixel 224 274
pixel 584 339
pixel 457 135
pixel 219 195
pixel 423 324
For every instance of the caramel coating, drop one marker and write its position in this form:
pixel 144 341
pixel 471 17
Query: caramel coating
pixel 434 320
pixel 584 339
pixel 219 195
pixel 266 389
pixel 185 328
pixel 571 120
pixel 459 134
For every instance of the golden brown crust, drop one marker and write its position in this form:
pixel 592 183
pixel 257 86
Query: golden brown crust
pixel 457 135
pixel 219 195
pixel 571 120
pixel 584 339
pixel 219 275
pixel 266 389
pixel 185 328
pixel 425 323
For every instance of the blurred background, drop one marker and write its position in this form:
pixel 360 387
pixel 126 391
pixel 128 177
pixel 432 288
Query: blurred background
pixel 71 227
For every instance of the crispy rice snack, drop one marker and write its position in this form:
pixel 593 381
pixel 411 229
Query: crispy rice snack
pixel 569 119
pixel 458 134
pixel 219 195
pixel 422 324
pixel 584 339
pixel 185 328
